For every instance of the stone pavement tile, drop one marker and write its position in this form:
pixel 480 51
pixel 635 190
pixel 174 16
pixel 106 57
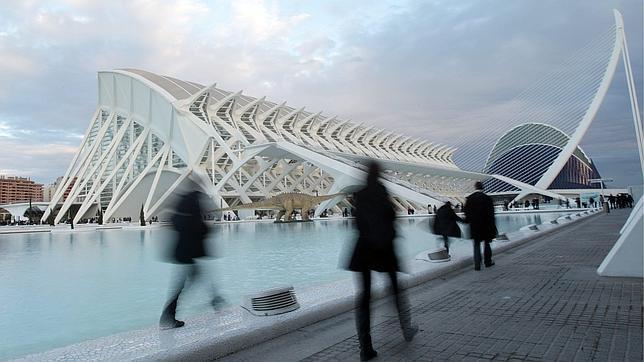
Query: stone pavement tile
pixel 542 301
pixel 470 359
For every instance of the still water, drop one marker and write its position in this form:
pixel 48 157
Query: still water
pixel 61 288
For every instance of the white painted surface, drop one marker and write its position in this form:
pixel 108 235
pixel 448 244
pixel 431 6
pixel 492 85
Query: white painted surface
pixel 626 258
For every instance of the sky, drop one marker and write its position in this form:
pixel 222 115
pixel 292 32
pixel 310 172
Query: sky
pixel 422 68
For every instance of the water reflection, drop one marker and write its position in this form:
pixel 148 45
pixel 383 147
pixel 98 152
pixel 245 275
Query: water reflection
pixel 32 244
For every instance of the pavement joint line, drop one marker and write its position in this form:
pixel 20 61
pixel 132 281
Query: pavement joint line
pixel 565 318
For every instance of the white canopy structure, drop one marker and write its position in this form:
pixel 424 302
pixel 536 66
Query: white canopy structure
pixel 153 135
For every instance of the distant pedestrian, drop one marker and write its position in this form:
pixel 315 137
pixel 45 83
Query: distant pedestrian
pixel 191 234
pixel 375 250
pixel 621 201
pixel 445 224
pixel 479 213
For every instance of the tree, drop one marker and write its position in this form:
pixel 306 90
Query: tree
pixel 100 216
pixel 31 213
pixel 142 216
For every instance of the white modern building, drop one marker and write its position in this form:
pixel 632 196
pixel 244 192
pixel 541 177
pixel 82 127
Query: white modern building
pixel 152 136
pixel 525 153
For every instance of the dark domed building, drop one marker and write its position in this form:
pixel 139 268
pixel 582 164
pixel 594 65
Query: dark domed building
pixel 527 151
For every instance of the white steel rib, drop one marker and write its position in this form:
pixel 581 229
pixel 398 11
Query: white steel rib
pixel 152 136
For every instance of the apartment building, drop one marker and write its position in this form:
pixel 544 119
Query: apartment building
pixel 15 189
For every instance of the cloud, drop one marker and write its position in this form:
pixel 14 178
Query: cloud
pixel 17 63
pixel 6 131
pixel 255 21
pixel 436 69
pixel 40 161
pixel 42 154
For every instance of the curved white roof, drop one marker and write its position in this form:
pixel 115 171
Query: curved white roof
pixel 179 89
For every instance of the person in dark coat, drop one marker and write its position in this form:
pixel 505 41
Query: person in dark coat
pixel 191 234
pixel 479 213
pixel 445 224
pixel 375 250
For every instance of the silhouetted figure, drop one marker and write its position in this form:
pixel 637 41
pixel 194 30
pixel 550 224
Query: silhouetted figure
pixel 142 216
pixel 479 213
pixel 191 233
pixel 374 250
pixel 591 202
pixel 621 201
pixel 445 224
pixel 527 204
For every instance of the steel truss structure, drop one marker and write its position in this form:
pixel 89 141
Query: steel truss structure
pixel 538 142
pixel 153 135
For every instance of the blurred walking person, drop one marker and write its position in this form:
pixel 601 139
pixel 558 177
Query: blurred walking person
pixel 479 213
pixel 375 250
pixel 445 224
pixel 191 234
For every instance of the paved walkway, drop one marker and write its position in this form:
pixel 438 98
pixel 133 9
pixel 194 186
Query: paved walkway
pixel 543 301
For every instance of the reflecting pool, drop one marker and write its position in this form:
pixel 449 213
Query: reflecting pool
pixel 61 288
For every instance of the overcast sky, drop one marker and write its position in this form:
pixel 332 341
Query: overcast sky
pixel 416 67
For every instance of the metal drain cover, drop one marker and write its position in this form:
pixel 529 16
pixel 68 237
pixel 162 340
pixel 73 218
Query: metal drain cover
pixel 271 301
